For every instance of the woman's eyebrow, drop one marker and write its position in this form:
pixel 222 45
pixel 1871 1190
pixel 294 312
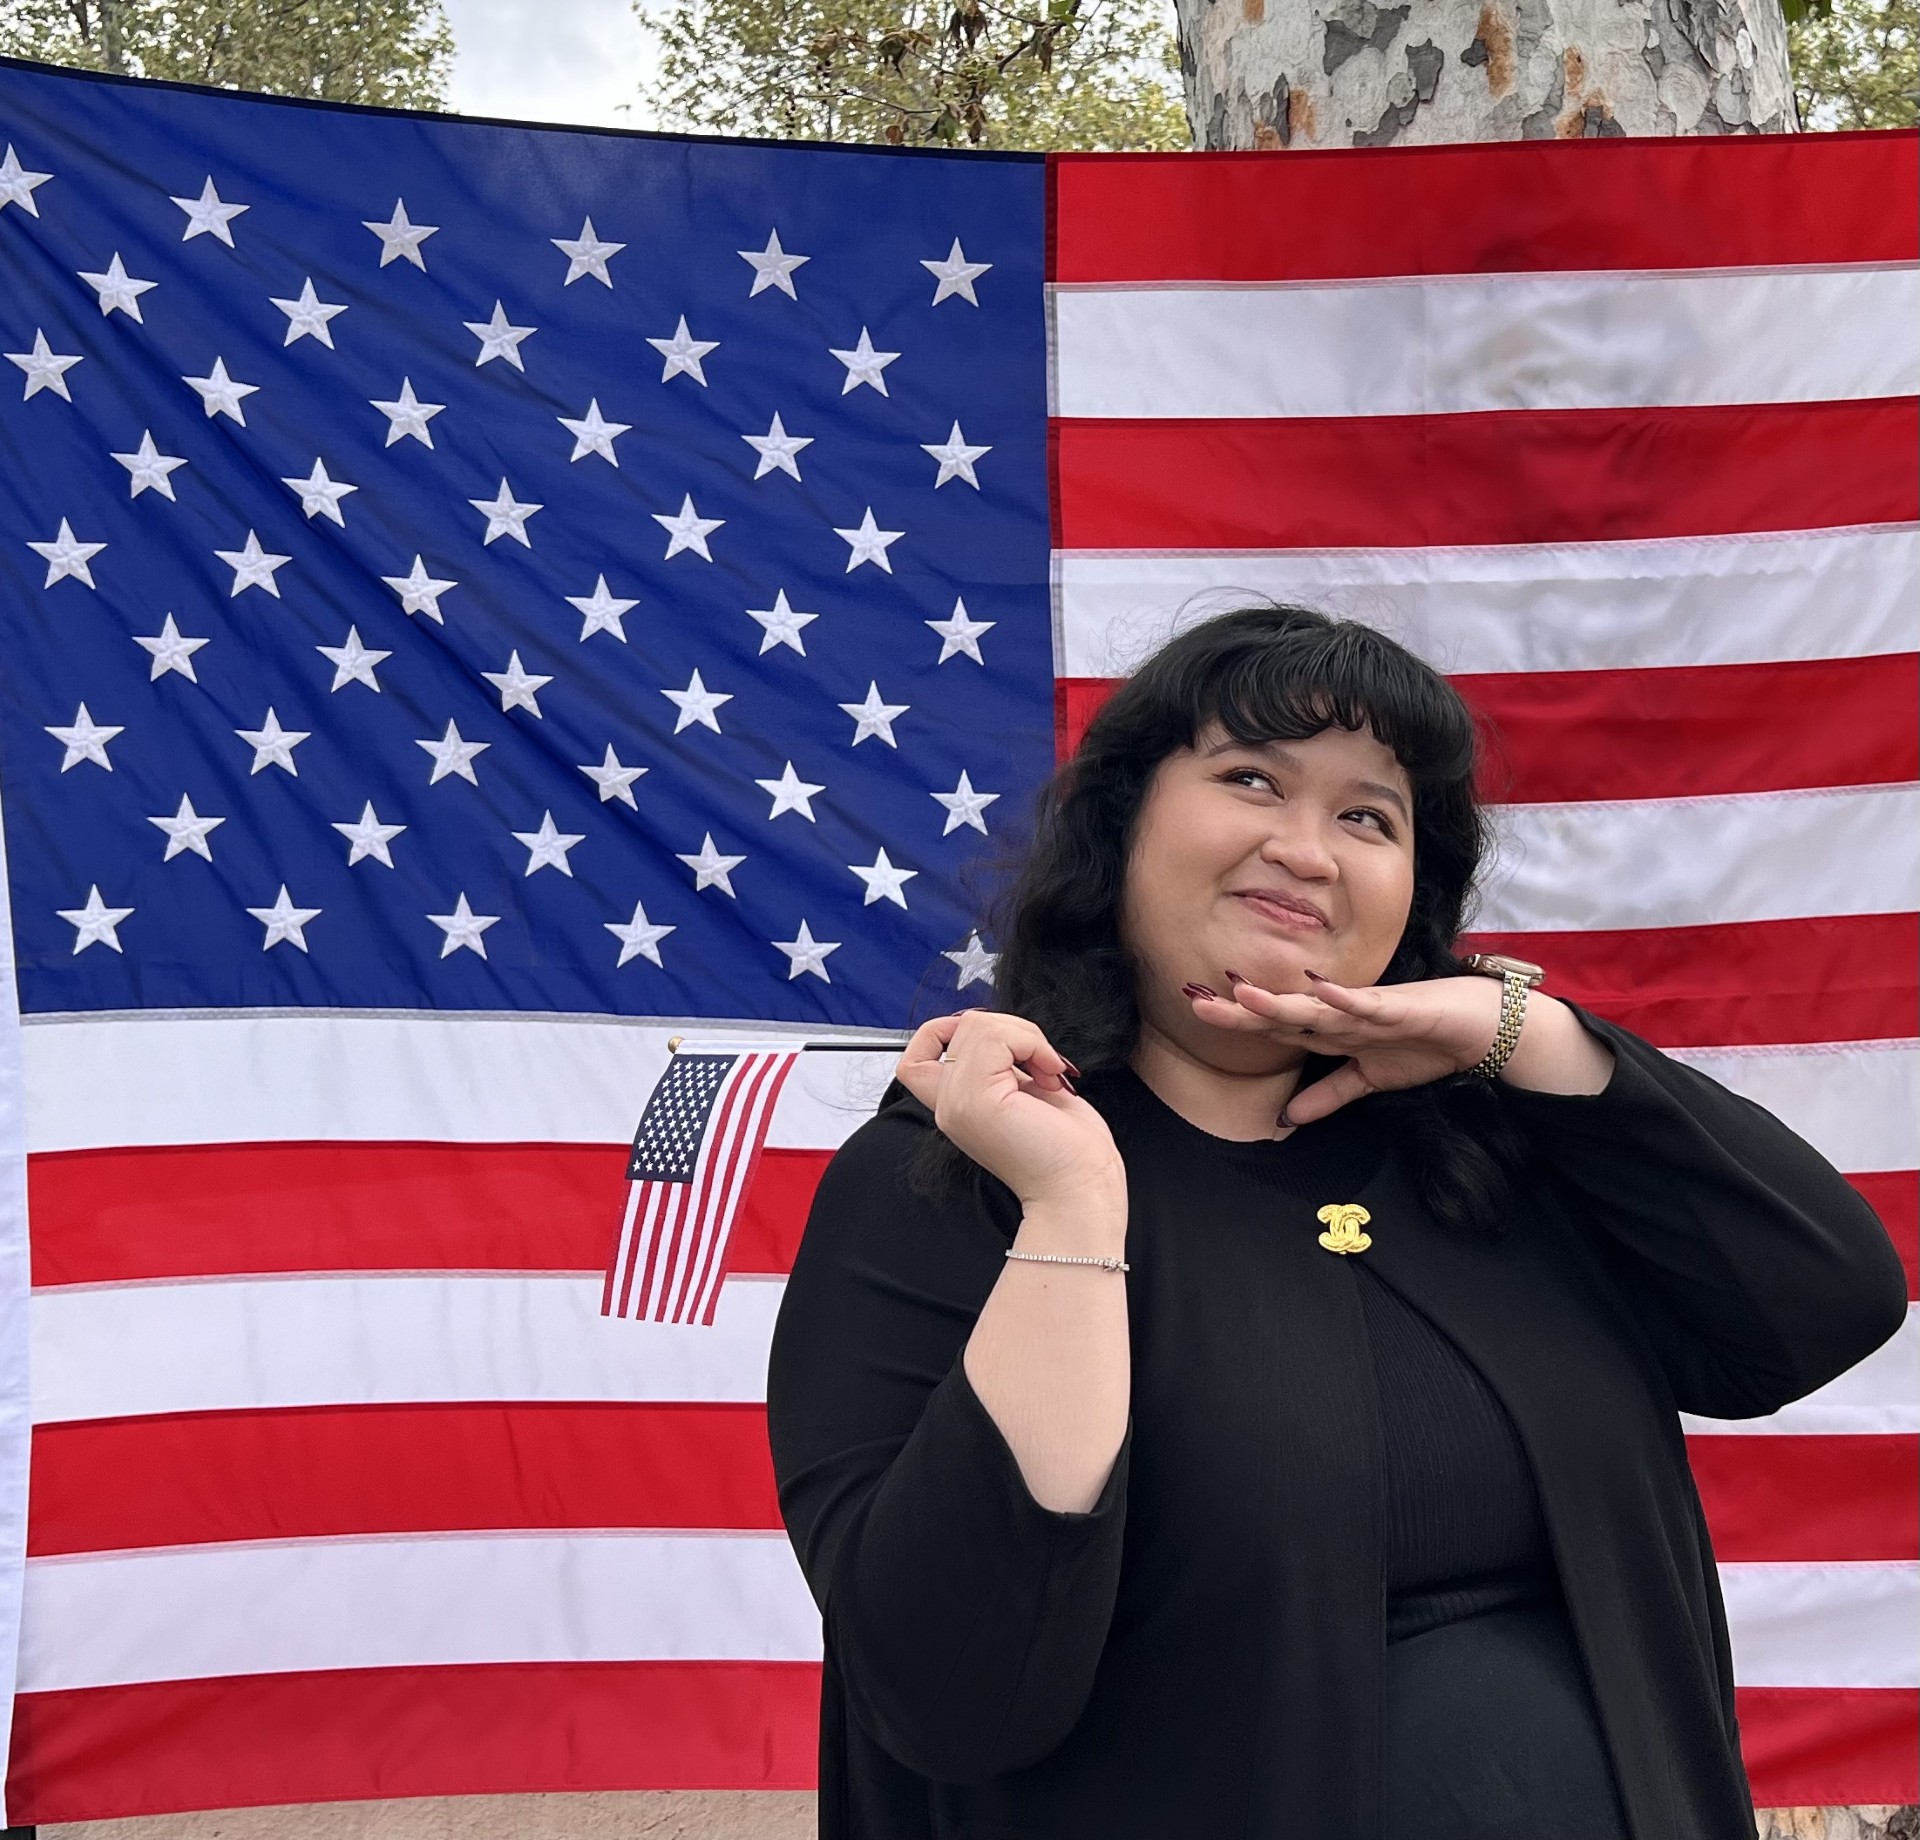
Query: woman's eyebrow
pixel 1372 787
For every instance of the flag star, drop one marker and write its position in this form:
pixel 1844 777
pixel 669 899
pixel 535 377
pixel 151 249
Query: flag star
pixel 46 368
pixel 67 555
pixel 964 806
pixel 683 353
pixel 869 543
pixel 220 394
pixel 516 685
pixel 253 567
pixel 548 846
pixel 697 703
pixel 687 529
pixel 594 434
pixel 506 516
pixel 773 267
pixel 586 254
pixel 790 793
pixel 400 237
pixel 320 495
pixel 463 927
pixel 85 739
pixel 273 745
pixel 367 836
pixel 960 634
pixel 956 275
pixel 208 216
pixel 408 415
pixel 711 868
pixel 864 364
pixel 353 663
pixel 187 831
pixel 973 961
pixel 873 717
pixel 452 755
pixel 419 592
pixel 616 781
pixel 956 458
pixel 778 450
pixel 499 338
pixel 119 292
pixel 171 652
pixel 805 953
pixel 17 185
pixel 781 624
pixel 884 882
pixel 149 467
pixel 95 922
pixel 638 937
pixel 307 316
pixel 284 922
pixel 601 611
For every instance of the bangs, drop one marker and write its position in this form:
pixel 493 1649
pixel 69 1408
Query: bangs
pixel 1335 675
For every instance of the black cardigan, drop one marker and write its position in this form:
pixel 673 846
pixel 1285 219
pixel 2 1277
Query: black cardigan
pixel 1200 1653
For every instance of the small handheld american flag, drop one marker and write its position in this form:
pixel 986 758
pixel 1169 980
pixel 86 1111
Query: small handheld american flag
pixel 693 1158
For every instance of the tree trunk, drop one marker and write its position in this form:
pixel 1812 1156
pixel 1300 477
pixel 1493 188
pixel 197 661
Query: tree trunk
pixel 1352 73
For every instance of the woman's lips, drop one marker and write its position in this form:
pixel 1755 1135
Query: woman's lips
pixel 1294 919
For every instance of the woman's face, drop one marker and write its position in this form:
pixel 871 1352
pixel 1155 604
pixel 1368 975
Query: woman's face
pixel 1268 859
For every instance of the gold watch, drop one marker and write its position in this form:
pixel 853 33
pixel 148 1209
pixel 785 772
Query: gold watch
pixel 1517 976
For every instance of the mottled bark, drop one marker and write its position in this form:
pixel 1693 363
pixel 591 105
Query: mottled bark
pixel 1353 73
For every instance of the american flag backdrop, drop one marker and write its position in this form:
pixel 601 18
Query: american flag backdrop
pixel 480 601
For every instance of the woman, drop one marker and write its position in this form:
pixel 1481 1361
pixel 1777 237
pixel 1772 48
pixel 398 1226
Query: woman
pixel 1271 1431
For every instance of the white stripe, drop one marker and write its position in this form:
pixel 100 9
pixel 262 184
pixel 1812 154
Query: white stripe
pixel 190 1613
pixel 1856 1102
pixel 215 1345
pixel 1457 344
pixel 1627 863
pixel 1877 1397
pixel 1525 606
pixel 1852 1624
pixel 296 1606
pixel 425 1076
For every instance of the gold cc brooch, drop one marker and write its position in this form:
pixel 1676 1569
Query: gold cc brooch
pixel 1345 1223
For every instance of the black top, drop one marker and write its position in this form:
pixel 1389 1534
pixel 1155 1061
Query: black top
pixel 1205 1650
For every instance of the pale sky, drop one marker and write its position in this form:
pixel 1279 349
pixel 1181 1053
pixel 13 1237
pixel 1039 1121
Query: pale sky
pixel 549 60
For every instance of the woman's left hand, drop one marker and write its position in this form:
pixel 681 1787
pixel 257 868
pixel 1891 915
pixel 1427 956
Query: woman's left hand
pixel 1393 1035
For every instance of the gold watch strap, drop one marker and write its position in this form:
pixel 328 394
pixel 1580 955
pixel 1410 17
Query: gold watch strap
pixel 1513 1015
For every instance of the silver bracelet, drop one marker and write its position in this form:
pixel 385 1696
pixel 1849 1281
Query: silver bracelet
pixel 1068 1258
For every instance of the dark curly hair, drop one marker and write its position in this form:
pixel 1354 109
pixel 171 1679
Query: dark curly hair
pixel 1268 673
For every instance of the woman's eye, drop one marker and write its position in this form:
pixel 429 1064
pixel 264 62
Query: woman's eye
pixel 1379 818
pixel 1240 773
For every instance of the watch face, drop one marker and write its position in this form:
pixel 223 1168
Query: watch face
pixel 1495 964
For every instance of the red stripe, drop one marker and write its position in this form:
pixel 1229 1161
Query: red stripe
pixel 163 1747
pixel 107 1216
pixel 1342 213
pixel 1745 984
pixel 1813 1747
pixel 362 1734
pixel 1894 1195
pixel 1687 731
pixel 1698 731
pixel 182 1480
pixel 1809 1498
pixel 1508 476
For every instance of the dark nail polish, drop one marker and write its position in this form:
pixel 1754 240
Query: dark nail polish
pixel 1318 979
pixel 1066 1086
pixel 1071 1068
pixel 1197 990
pixel 1234 977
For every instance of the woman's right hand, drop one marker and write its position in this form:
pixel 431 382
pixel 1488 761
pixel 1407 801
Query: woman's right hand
pixel 1002 1095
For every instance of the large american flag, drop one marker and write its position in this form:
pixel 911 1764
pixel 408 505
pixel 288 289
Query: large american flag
pixel 481 600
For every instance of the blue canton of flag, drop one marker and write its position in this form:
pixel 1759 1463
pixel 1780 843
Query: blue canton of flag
pixel 478 567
